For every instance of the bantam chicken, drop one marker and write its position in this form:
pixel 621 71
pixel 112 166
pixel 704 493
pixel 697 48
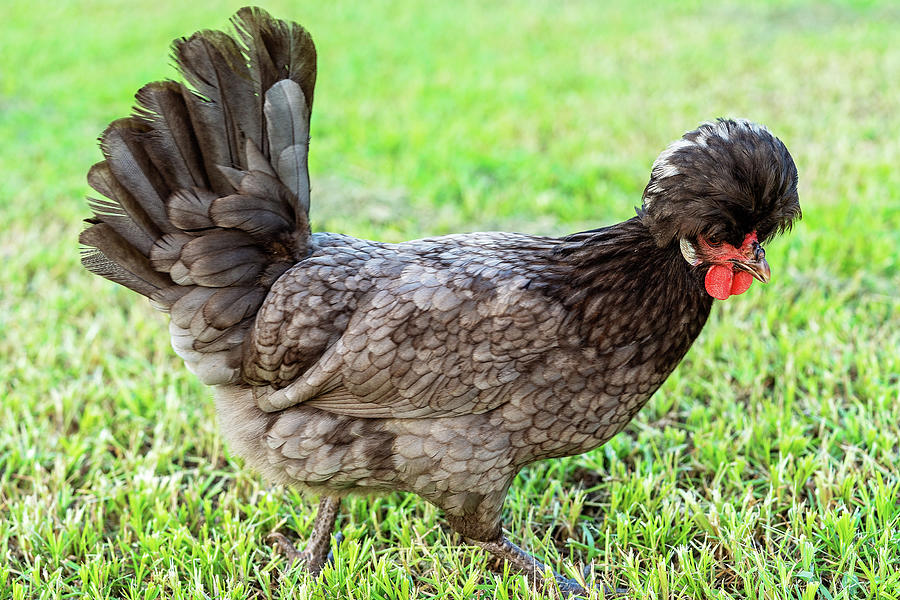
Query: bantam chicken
pixel 439 366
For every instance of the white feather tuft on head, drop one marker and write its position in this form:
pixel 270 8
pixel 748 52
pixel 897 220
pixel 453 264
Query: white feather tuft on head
pixel 688 251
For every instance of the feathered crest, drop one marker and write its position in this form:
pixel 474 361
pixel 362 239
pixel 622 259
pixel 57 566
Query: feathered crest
pixel 722 181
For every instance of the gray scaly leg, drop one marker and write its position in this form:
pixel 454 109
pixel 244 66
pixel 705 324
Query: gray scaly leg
pixel 534 569
pixel 316 553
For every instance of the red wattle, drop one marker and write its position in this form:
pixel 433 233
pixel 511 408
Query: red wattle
pixel 718 281
pixel 741 282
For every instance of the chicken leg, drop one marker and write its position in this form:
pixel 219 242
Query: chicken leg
pixel 316 553
pixel 534 569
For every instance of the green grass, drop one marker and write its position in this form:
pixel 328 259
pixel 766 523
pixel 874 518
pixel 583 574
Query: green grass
pixel 766 467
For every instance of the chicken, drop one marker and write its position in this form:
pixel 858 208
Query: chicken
pixel 439 366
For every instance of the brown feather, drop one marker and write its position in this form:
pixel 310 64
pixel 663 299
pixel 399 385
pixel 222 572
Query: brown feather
pixel 260 217
pixel 188 209
pixel 131 166
pixel 213 63
pixel 111 256
pixel 277 49
pixel 188 305
pixel 223 258
pixel 123 212
pixel 232 305
pixel 166 251
pixel 207 122
pixel 170 143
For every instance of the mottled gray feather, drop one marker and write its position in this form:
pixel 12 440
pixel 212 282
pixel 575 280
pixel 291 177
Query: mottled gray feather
pixel 287 122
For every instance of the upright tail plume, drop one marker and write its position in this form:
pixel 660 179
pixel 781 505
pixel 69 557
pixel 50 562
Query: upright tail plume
pixel 206 187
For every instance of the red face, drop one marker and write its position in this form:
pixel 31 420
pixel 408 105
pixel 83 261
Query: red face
pixel 733 269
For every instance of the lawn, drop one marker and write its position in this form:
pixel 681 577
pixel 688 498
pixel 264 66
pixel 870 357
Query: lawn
pixel 767 465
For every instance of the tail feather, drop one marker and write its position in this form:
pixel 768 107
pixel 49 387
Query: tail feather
pixel 109 255
pixel 123 146
pixel 261 207
pixel 207 188
pixel 171 143
pixel 287 116
pixel 122 211
pixel 188 209
pixel 277 50
pixel 225 111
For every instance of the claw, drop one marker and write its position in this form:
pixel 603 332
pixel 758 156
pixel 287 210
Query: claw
pixel 587 573
pixel 570 588
pixel 534 569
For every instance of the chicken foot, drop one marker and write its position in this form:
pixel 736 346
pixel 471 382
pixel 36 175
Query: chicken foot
pixel 317 551
pixel 534 569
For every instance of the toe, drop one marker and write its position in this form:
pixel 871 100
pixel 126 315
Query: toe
pixel 570 588
pixel 284 546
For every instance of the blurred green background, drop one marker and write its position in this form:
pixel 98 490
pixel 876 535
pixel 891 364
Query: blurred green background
pixel 766 467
